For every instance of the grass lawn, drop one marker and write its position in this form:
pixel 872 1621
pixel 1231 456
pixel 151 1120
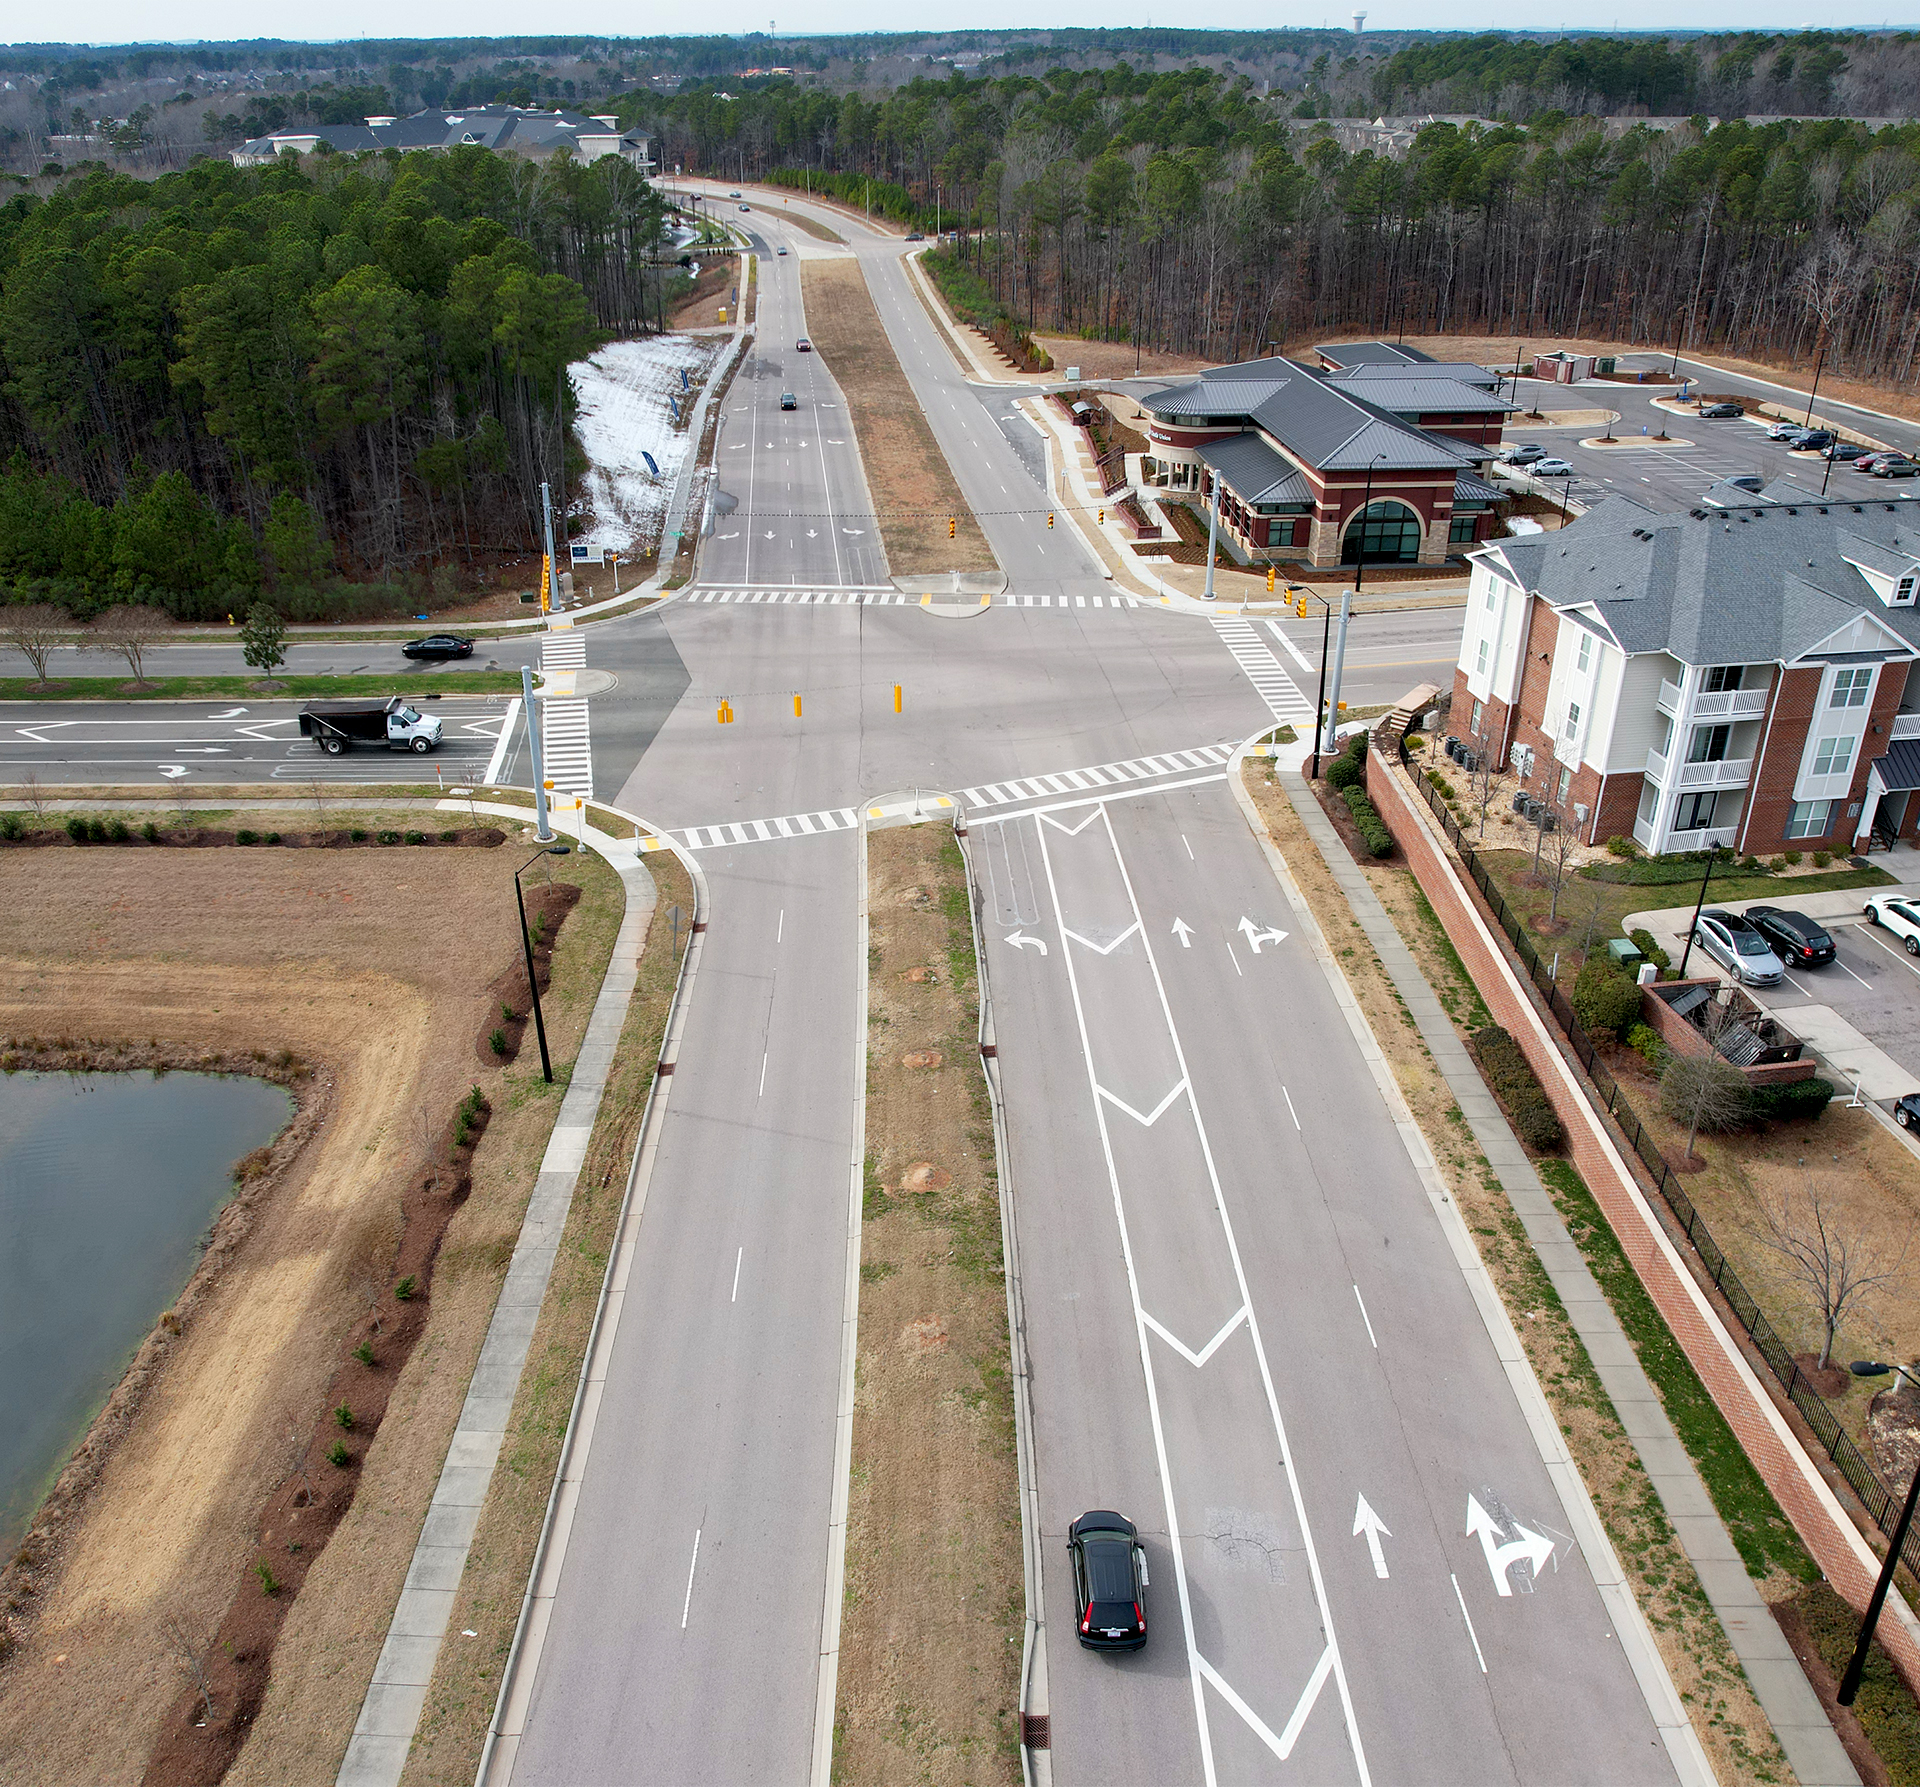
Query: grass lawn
pixel 290 688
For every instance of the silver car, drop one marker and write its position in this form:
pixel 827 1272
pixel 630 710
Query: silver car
pixel 1738 948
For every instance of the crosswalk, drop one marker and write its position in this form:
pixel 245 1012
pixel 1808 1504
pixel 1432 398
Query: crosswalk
pixel 984 795
pixel 565 741
pixel 1273 685
pixel 893 598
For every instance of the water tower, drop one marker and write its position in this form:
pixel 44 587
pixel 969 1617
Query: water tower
pixel 1359 23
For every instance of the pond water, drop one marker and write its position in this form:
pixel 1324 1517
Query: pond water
pixel 108 1182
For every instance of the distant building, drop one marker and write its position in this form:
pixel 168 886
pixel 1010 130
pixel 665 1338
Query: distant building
pixel 505 129
pixel 1378 449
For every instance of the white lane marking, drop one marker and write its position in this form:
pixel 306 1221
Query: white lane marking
pixel 782 930
pixel 1256 935
pixel 1199 1359
pixel 1291 1112
pixel 1096 800
pixel 1148 1120
pixel 1465 1615
pixel 1534 1548
pixel 1236 960
pixel 1282 1745
pixel 1101 949
pixel 1293 651
pixel 1020 940
pixel 763 1076
pixel 1190 855
pixel 1184 932
pixel 686 1606
pixel 737 1258
pixel 1897 954
pixel 1364 1316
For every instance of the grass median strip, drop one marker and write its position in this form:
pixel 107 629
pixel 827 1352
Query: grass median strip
pixel 1692 1643
pixel 285 688
pixel 933 1521
pixel 466 1677
pixel 912 486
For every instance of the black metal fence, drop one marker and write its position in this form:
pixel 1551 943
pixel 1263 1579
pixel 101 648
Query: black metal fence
pixel 1852 1463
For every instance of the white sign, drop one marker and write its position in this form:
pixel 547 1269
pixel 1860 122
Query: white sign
pixel 589 555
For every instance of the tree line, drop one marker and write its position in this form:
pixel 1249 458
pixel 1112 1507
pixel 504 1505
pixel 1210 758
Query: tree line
pixel 1188 211
pixel 232 380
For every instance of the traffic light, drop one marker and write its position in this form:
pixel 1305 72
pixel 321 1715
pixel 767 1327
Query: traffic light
pixel 1103 518
pixel 1300 608
pixel 1049 518
pixel 952 527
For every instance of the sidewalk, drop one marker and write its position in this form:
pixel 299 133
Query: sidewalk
pixel 1779 1683
pixel 1825 1527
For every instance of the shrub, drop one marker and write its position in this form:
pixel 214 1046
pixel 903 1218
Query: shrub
pixel 97 831
pixel 1751 864
pixel 1791 858
pixel 1605 1001
pixel 405 1289
pixel 1821 858
pixel 416 837
pixel 1644 1040
pixel 507 1014
pixel 12 827
pixel 1622 847
pixel 338 1455
pixel 269 1583
pixel 498 1042
pixel 1506 1070
pixel 343 1418
pixel 1644 943
pixel 77 829
pixel 117 832
pixel 1796 1102
pixel 150 832
pixel 447 837
pixel 358 834
pixel 273 837
pixel 244 836
pixel 1343 773
pixel 387 837
pixel 364 1352
pixel 1367 821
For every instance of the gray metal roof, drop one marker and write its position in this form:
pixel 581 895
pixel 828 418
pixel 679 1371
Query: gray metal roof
pixel 1207 396
pixel 1373 353
pixel 1255 473
pixel 1469 489
pixel 1409 396
pixel 1900 768
pixel 1720 586
pixel 490 126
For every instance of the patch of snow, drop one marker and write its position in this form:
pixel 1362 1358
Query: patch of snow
pixel 623 414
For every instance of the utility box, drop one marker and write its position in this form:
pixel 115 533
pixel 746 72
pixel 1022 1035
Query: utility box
pixel 1625 953
pixel 1605 365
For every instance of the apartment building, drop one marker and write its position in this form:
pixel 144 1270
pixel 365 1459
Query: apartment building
pixel 1733 676
pixel 505 129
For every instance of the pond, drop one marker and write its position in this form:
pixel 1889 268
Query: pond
pixel 108 1184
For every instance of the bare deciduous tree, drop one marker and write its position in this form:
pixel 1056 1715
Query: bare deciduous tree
pixel 1841 1266
pixel 1558 847
pixel 36 630
pixel 130 632
pixel 316 793
pixel 1705 1091
pixel 294 1436
pixel 190 1659
pixel 35 795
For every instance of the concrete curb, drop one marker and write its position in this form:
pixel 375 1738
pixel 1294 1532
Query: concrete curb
pixel 396 1696
pixel 1036 1759
pixel 523 1659
pixel 1683 1745
pixel 1831 1537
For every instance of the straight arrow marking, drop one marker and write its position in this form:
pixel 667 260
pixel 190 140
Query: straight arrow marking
pixel 1159 1110
pixel 1199 1359
pixel 1183 931
pixel 1365 1520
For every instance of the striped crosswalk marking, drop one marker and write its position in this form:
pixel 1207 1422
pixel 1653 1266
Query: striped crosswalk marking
pixel 565 740
pixel 891 598
pixel 1273 685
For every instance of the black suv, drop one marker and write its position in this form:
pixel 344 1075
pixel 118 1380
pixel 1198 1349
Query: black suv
pixel 1797 939
pixel 1109 1581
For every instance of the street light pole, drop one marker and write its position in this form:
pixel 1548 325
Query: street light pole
pixel 1686 955
pixel 1820 359
pixel 526 944
pixel 1850 1682
pixel 1213 534
pixel 1366 502
pixel 1320 699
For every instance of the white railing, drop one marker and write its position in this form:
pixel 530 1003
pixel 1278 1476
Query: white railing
pixel 1721 835
pixel 1905 726
pixel 1731 704
pixel 1643 833
pixel 1731 772
pixel 1671 695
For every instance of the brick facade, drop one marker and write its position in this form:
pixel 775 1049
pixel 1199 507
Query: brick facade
pixel 1791 715
pixel 1684 1039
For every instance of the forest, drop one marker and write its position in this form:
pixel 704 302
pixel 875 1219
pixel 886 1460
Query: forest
pixel 1188 211
pixel 228 381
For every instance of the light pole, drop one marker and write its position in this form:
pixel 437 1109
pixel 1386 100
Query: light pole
pixel 1320 698
pixel 526 944
pixel 1686 955
pixel 1850 1682
pixel 1819 360
pixel 1366 502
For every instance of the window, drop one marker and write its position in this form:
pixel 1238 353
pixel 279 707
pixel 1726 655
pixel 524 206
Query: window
pixel 1566 782
pixel 1573 720
pixel 1850 687
pixel 1709 744
pixel 1721 678
pixel 1810 819
pixel 1834 756
pixel 1480 663
pixel 1280 533
pixel 1493 595
pixel 1479 708
pixel 1903 590
pixel 1696 812
pixel 1460 531
pixel 1584 656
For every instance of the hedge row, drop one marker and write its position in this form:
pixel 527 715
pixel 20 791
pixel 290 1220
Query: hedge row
pixel 1793 1102
pixel 1533 1118
pixel 1366 818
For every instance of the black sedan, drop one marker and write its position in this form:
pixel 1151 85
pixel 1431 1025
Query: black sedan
pixel 1907 1112
pixel 1109 1581
pixel 1721 412
pixel 1797 939
pixel 439 645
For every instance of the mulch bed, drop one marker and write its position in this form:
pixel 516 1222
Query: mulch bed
pixel 199 837
pixel 192 1749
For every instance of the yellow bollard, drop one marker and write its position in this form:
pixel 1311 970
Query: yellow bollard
pixel 896 697
pixel 796 707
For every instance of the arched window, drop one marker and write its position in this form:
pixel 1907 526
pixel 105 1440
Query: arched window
pixel 1386 531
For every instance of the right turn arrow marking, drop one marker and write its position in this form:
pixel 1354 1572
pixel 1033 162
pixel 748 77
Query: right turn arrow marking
pixel 1536 1548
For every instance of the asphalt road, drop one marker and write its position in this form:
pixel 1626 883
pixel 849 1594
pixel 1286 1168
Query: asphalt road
pixel 1387 653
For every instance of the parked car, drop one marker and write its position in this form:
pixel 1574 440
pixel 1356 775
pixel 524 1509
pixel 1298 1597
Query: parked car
pixel 1109 1580
pixel 1797 940
pixel 1551 468
pixel 1901 917
pixel 1737 947
pixel 1813 440
pixel 1907 1112
pixel 788 401
pixel 1521 453
pixel 439 645
pixel 1867 461
pixel 1896 467
pixel 1721 412
pixel 1846 450
pixel 803 346
pixel 1781 431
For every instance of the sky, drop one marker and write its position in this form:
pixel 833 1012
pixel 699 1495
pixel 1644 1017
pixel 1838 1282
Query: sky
pixel 138 21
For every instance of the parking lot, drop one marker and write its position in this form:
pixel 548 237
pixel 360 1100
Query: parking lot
pixel 1861 1011
pixel 1667 476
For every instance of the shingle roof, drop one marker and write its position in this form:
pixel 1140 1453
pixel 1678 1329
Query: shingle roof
pixel 1255 472
pixel 1728 586
pixel 1883 556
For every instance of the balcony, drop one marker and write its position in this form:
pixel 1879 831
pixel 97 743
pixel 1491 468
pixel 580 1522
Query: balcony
pixel 1905 726
pixel 1725 704
pixel 1728 772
